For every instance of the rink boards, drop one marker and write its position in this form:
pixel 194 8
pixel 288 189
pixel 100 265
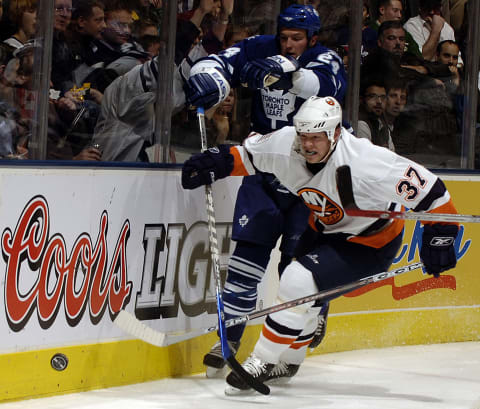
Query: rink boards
pixel 78 245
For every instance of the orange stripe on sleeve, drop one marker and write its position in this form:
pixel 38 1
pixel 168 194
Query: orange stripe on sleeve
pixel 238 166
pixel 381 238
pixel 447 208
pixel 275 338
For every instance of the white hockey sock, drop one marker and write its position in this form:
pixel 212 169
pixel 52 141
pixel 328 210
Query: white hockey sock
pixel 282 328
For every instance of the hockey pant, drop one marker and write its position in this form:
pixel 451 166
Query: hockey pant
pixel 264 211
pixel 286 334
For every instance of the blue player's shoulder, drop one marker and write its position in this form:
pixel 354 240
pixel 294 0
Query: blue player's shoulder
pixel 260 46
pixel 311 54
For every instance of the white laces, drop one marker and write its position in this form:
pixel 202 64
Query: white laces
pixel 280 369
pixel 255 366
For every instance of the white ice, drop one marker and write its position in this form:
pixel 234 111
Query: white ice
pixel 445 376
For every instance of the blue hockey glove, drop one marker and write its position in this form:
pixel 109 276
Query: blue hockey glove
pixel 437 252
pixel 206 87
pixel 207 167
pixel 272 72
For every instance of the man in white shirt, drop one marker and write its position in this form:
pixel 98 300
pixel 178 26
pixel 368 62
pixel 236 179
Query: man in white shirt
pixel 429 28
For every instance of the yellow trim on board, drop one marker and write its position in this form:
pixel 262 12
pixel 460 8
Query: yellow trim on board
pixel 26 375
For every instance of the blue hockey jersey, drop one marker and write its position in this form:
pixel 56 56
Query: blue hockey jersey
pixel 322 73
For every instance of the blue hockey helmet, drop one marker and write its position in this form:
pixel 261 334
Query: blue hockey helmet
pixel 300 16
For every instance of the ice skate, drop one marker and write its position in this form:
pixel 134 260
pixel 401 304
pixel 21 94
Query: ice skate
pixel 214 361
pixel 259 369
pixel 321 327
pixel 282 373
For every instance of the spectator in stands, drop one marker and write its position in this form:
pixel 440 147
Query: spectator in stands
pixel 429 110
pixel 369 35
pixel 448 53
pixel 20 70
pixel 149 10
pixel 429 28
pixel 390 60
pixel 372 124
pixel 234 34
pixel 126 124
pixel 8 76
pixel 334 16
pixel 395 103
pixel 7 109
pixel 151 44
pixel 142 27
pixel 392 10
pixel 76 110
pixel 398 125
pixel 23 14
pixel 88 23
pixel 117 49
pixel 221 119
pixel 209 20
pixel 63 61
pixel 145 32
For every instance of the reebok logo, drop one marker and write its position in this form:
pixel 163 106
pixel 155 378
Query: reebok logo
pixel 441 241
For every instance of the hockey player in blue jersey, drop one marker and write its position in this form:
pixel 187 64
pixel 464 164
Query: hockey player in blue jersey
pixel 283 70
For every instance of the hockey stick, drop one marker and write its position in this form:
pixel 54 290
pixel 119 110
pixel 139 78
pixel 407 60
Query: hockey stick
pixel 133 326
pixel 345 190
pixel 212 238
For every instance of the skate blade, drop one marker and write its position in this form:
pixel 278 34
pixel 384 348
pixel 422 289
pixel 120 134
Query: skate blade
pixel 232 391
pixel 278 381
pixel 216 373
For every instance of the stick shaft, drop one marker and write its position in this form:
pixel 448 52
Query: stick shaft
pixel 212 238
pixel 130 324
pixel 321 296
pixel 345 190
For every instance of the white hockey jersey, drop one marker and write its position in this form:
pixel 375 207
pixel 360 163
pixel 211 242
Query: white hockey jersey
pixel 381 180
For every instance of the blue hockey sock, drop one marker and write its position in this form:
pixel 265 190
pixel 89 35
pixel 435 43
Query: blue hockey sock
pixel 245 270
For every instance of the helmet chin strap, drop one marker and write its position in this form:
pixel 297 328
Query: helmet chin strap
pixel 332 148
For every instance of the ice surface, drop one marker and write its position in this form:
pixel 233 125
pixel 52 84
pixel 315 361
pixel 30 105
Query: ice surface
pixel 445 376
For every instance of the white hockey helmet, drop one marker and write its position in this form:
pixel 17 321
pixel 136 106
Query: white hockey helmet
pixel 319 114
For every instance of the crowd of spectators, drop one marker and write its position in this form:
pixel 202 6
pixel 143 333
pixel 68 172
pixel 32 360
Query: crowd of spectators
pixel 105 68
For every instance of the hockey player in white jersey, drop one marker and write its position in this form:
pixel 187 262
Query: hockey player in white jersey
pixel 282 70
pixel 305 157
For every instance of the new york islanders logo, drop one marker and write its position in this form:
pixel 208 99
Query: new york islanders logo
pixel 325 209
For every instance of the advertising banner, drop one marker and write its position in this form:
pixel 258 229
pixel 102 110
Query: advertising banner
pixel 79 245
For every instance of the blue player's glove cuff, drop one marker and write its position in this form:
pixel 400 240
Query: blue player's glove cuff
pixel 273 72
pixel 206 87
pixel 207 167
pixel 438 252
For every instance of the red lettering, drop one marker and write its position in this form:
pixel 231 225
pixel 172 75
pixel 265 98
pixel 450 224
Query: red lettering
pixel 80 279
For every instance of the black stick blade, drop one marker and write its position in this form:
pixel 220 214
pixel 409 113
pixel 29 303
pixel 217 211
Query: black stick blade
pixel 249 379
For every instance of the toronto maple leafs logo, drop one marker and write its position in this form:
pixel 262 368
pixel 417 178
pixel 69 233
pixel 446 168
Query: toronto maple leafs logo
pixel 243 220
